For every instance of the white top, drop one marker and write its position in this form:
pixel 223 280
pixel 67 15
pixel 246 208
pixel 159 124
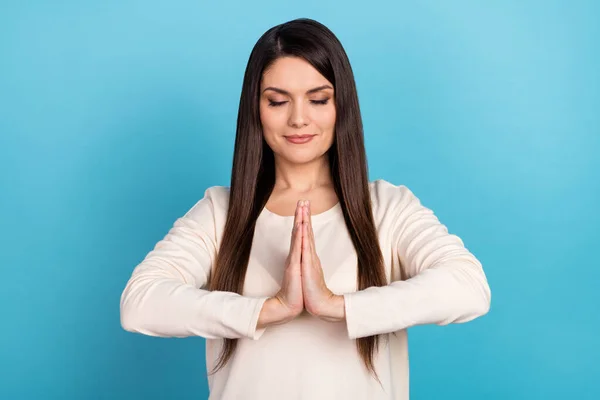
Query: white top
pixel 433 279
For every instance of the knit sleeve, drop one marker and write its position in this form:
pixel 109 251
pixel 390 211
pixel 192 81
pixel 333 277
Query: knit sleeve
pixel 167 294
pixel 443 282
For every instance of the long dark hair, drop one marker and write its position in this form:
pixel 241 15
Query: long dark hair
pixel 253 173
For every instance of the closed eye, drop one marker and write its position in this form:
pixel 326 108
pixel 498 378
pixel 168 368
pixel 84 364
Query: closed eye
pixel 276 103
pixel 280 103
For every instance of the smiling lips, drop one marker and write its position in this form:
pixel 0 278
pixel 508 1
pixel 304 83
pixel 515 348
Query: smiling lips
pixel 299 139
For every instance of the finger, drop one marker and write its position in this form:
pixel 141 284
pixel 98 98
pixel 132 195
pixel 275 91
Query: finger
pixel 296 214
pixel 311 236
pixel 305 242
pixel 296 242
pixel 297 251
pixel 293 236
pixel 312 232
pixel 305 221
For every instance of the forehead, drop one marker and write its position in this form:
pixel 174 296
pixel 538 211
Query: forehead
pixel 292 74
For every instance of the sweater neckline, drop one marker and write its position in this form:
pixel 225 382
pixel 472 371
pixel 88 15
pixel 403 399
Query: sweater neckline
pixel 316 218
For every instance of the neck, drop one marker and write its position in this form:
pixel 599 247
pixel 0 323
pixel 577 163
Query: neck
pixel 302 177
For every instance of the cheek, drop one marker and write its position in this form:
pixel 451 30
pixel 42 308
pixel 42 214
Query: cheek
pixel 271 126
pixel 266 121
pixel 326 119
pixel 264 116
pixel 270 119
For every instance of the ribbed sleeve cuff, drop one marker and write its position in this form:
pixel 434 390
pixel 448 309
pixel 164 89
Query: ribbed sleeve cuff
pixel 351 317
pixel 254 333
pixel 365 315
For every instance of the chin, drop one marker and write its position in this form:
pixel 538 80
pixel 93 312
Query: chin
pixel 299 158
pixel 302 157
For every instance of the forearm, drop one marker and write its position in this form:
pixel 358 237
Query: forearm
pixel 165 307
pixel 450 293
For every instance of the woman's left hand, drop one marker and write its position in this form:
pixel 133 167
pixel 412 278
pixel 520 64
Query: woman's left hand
pixel 318 299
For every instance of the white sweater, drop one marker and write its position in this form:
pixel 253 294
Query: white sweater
pixel 433 279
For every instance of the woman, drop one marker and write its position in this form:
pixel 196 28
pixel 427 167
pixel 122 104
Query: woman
pixel 303 276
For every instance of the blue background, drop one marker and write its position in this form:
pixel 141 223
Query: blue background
pixel 115 116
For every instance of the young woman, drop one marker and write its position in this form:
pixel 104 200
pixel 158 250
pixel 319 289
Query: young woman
pixel 303 275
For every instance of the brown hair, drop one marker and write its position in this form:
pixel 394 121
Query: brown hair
pixel 253 172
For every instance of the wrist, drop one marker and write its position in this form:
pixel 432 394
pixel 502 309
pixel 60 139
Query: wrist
pixel 334 309
pixel 274 312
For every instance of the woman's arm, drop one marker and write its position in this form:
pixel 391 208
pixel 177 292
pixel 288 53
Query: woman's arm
pixel 443 282
pixel 166 296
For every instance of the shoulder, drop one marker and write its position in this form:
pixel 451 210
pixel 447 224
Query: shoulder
pixel 395 205
pixel 212 206
pixel 386 195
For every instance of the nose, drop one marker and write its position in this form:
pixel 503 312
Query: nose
pixel 298 117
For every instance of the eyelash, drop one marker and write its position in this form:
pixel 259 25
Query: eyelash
pixel 280 103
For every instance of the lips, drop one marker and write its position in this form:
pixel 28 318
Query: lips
pixel 299 139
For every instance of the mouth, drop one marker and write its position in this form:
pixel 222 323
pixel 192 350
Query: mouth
pixel 299 139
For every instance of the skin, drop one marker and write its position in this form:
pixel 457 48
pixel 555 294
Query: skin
pixel 297 100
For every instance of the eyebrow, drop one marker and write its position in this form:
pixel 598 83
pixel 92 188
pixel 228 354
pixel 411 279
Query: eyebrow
pixel 278 90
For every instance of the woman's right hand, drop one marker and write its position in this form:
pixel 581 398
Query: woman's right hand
pixel 288 302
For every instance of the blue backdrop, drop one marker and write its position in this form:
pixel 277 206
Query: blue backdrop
pixel 115 116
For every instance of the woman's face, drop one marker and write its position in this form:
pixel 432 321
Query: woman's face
pixel 297 110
